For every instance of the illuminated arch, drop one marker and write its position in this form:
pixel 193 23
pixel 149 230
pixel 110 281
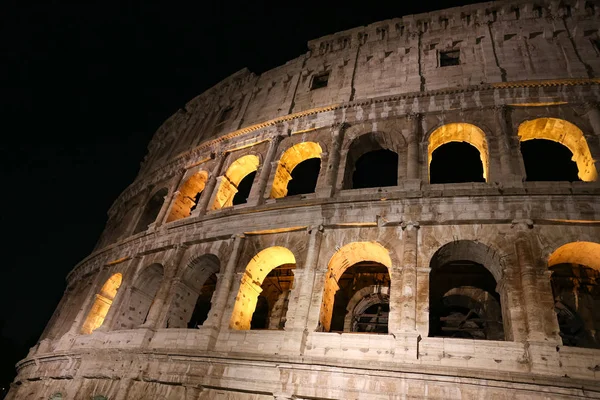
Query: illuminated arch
pixel 347 256
pixel 567 134
pixel 460 132
pixel 187 197
pixel 250 287
pixel 582 253
pixel 102 304
pixel 288 161
pixel 229 183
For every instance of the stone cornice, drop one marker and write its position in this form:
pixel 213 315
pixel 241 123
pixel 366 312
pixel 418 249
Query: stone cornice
pixel 168 236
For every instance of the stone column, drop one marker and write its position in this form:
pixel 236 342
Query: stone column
pixel 170 199
pixel 207 193
pixel 334 159
pixel 161 214
pixel 593 141
pixel 412 151
pixel 257 192
pixel 173 289
pixel 408 279
pixel 505 138
pixel 593 114
pixel 535 302
pixel 224 281
pixel 159 302
pixel 300 300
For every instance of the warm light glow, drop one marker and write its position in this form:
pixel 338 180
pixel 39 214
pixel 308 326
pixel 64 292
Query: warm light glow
pixel 186 199
pixel 543 104
pixel 250 287
pixel 289 160
pixel 277 230
pixel 582 253
pixel 229 183
pixel 344 258
pixel 567 134
pixel 460 132
pixel 102 304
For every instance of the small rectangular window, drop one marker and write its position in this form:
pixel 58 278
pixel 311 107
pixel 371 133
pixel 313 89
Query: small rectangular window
pixel 320 80
pixel 449 58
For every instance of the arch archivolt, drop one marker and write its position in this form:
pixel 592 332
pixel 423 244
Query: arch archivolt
pixel 192 184
pixel 230 180
pixel 460 132
pixel 370 136
pixel 553 237
pixel 582 253
pixel 250 286
pixel 345 257
pixel 567 134
pixel 492 244
pixel 289 159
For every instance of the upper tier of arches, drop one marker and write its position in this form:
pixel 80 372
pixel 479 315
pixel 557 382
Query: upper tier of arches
pixel 328 162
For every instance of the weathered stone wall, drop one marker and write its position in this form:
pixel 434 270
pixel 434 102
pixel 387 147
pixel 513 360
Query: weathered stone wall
pixel 519 62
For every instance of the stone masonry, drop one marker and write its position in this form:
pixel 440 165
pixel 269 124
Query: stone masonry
pixel 214 279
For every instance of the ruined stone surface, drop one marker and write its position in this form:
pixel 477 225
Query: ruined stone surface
pixel 519 61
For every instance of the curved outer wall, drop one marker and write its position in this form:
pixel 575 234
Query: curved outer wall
pixel 519 61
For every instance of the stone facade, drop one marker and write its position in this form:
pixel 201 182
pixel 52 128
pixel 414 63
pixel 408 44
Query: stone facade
pixel 167 304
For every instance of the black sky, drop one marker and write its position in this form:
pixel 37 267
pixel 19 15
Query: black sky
pixel 84 87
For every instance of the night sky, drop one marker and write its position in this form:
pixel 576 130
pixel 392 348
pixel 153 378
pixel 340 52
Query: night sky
pixel 84 87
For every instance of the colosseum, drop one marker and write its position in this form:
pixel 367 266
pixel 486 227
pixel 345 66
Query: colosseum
pixel 408 210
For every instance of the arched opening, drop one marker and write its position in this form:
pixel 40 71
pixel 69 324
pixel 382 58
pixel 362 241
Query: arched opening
pixel 546 160
pixel 576 288
pixel 241 197
pixel 141 297
pixel 372 161
pixel 151 210
pixel 363 302
pixel 456 162
pixel 298 170
pixel 451 167
pixel 565 133
pixel 193 294
pixel 268 275
pixel 188 197
pixel 231 182
pixel 378 168
pixel 102 304
pixel 357 289
pixel 463 302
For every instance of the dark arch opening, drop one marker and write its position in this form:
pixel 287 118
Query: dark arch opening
pixel 304 177
pixel 374 319
pixel 241 197
pixel 376 168
pixel 576 301
pixel 361 276
pixel 546 160
pixel 203 303
pixel 151 210
pixel 260 318
pixel 456 162
pixel 463 302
